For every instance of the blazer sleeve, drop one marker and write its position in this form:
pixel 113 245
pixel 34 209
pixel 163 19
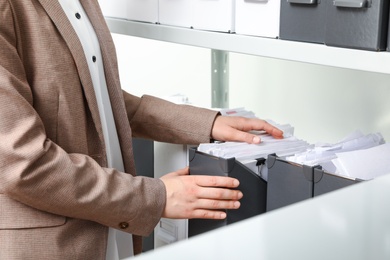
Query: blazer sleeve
pixel 164 121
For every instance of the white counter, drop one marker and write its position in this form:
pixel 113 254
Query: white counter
pixel 349 224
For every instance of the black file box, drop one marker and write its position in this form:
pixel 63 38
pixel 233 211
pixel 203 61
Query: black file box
pixel 252 186
pixel 358 24
pixel 325 182
pixel 303 20
pixel 388 34
pixel 290 182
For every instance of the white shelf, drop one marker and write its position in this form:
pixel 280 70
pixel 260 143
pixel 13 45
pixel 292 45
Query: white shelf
pixel 260 46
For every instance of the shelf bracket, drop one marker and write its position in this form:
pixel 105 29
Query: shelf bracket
pixel 219 79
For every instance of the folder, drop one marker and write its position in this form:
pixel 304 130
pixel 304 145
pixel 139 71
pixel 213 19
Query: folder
pixel 290 182
pixel 251 185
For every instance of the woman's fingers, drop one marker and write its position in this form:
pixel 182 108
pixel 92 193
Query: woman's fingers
pixel 218 193
pixel 195 196
pixel 216 181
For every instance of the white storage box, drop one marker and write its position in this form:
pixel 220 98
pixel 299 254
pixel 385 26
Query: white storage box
pixel 142 10
pixel 258 17
pixel 114 8
pixel 176 12
pixel 214 15
pixel 137 10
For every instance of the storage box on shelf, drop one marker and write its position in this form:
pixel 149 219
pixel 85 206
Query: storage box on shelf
pixel 114 8
pixel 143 10
pixel 136 10
pixel 257 18
pixel 303 20
pixel 214 15
pixel 360 24
pixel 211 15
pixel 357 24
pixel 176 12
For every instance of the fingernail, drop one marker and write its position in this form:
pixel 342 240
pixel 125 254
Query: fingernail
pixel 237 204
pixel 223 215
pixel 256 140
pixel 236 183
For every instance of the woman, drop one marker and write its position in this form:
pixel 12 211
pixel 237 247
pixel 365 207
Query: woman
pixel 67 175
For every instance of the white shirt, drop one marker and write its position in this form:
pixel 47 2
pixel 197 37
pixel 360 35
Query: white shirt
pixel 120 244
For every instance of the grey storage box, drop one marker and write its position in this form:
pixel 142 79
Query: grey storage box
pixel 289 182
pixel 303 20
pixel 388 34
pixel 252 186
pixel 358 24
pixel 325 182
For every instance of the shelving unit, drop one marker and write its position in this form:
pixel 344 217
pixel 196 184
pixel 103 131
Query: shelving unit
pixel 360 60
pixel 260 46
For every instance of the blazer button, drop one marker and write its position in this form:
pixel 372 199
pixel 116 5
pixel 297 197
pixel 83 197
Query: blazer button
pixel 123 225
pixel 78 16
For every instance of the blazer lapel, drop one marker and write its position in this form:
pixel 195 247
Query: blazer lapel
pixel 59 18
pixel 107 48
pixel 91 7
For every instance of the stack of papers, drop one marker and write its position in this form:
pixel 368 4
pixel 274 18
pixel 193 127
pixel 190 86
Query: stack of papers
pixel 237 112
pixel 324 154
pixel 356 156
pixel 289 145
pixel 364 164
pixel 248 154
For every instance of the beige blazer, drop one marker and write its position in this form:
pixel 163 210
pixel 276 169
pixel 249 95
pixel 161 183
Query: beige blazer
pixel 57 199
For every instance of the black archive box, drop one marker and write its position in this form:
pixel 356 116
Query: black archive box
pixel 290 182
pixel 252 186
pixel 303 20
pixel 358 24
pixel 325 182
pixel 388 34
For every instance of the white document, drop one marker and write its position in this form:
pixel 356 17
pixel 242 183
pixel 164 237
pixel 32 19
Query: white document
pixel 248 154
pixel 323 153
pixel 356 156
pixel 365 164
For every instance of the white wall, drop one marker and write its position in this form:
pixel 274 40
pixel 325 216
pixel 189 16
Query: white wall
pixel 323 103
pixel 164 69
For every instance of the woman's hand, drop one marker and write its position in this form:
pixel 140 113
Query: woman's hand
pixel 232 128
pixel 195 196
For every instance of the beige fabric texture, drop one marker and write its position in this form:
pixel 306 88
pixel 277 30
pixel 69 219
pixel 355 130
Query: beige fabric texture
pixel 57 198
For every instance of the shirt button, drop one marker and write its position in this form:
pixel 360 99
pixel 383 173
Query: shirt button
pixel 94 58
pixel 123 225
pixel 78 16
